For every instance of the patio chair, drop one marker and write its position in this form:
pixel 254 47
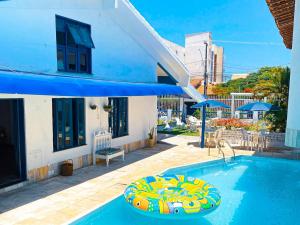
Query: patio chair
pixel 192 123
pixel 102 147
pixel 212 138
pixel 245 139
pixel 179 123
pixel 256 141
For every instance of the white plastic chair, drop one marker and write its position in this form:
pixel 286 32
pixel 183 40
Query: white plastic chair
pixel 179 122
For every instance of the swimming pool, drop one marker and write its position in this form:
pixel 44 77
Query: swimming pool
pixel 254 190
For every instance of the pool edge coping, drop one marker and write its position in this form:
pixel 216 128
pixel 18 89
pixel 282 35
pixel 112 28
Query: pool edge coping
pixel 185 165
pixel 117 196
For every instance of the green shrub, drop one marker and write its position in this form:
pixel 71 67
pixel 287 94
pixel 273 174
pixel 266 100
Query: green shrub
pixel 197 114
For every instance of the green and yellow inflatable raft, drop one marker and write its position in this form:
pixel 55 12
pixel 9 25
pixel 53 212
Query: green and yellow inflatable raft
pixel 172 196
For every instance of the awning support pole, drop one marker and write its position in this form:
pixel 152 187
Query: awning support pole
pixel 202 145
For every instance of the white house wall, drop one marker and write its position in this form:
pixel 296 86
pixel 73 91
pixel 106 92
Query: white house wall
pixel 28 43
pixel 28 39
pixel 39 127
pixel 293 123
pixel 142 112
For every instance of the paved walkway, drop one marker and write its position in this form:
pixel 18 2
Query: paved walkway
pixel 62 199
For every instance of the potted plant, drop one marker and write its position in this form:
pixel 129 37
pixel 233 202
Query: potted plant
pixel 93 106
pixel 107 108
pixel 151 138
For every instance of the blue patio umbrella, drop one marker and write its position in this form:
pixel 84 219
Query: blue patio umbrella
pixel 258 106
pixel 211 104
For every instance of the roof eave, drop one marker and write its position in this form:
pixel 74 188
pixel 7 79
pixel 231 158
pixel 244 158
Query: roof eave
pixel 283 13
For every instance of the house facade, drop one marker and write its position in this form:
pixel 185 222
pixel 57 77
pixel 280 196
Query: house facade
pixel 287 17
pixel 61 62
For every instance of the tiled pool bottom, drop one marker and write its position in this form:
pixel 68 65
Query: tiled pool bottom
pixel 254 190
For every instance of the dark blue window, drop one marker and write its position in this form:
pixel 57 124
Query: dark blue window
pixel 118 117
pixel 74 46
pixel 68 123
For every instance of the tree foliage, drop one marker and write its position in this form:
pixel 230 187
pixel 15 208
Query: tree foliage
pixel 270 82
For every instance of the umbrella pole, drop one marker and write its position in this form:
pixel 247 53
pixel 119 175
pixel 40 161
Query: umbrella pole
pixel 202 145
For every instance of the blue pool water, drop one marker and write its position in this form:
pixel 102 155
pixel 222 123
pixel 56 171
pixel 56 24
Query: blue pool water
pixel 254 191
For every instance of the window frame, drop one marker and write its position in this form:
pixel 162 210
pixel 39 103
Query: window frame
pixel 80 103
pixel 68 104
pixel 88 59
pixel 115 116
pixel 63 27
pixel 75 105
pixel 75 52
pixel 62 49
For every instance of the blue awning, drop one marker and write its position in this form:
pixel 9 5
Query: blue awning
pixel 35 84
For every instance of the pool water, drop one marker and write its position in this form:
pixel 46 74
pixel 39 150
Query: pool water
pixel 254 190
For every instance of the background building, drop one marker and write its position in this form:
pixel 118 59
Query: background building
pixel 193 56
pixel 236 76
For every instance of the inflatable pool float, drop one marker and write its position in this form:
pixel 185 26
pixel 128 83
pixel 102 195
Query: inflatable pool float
pixel 172 196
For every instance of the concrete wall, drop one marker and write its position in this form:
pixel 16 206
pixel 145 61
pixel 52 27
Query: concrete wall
pixel 293 123
pixel 28 34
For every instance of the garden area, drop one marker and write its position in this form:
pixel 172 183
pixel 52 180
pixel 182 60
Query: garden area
pixel 228 124
pixel 180 131
pixel 271 83
pixel 269 88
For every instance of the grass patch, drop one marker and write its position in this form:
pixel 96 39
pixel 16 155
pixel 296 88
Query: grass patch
pixel 180 131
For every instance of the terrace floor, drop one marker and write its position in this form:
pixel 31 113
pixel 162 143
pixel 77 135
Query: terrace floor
pixel 60 200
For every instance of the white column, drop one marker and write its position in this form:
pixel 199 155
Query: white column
pixel 237 114
pixel 169 114
pixel 255 116
pixel 232 106
pixel 293 122
pixel 181 107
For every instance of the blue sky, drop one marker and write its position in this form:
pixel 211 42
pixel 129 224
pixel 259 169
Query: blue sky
pixel 228 20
